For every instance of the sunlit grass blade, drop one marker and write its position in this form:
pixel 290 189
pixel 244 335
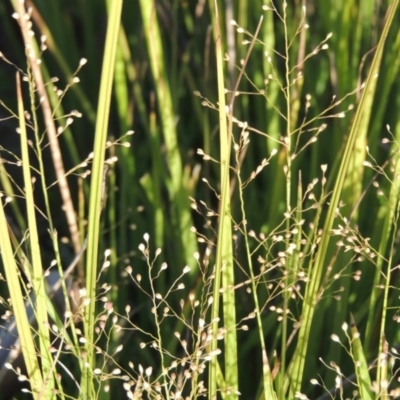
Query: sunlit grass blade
pixel 312 288
pixel 352 192
pixel 24 329
pixel 87 383
pixel 38 282
pixel 118 242
pixel 52 287
pixel 388 210
pixel 361 366
pixel 224 256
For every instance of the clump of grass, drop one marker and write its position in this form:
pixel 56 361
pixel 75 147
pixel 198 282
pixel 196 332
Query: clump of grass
pixel 274 291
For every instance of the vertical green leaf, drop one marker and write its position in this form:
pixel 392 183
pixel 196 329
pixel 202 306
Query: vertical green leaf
pixel 17 299
pixel 178 194
pixel 103 110
pixel 224 256
pixel 38 282
pixel 310 298
pixel 362 373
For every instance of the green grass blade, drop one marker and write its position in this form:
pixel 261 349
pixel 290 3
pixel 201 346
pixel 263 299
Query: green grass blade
pixel 312 288
pixel 24 329
pixel 388 210
pixel 352 192
pixel 224 256
pixel 103 110
pixel 362 373
pixel 390 226
pixel 178 195
pixel 38 283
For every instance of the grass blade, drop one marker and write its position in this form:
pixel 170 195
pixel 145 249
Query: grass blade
pixel 310 298
pixel 96 193
pixel 17 299
pixel 363 379
pixel 389 212
pixel 390 227
pixel 224 256
pixel 178 195
pixel 38 283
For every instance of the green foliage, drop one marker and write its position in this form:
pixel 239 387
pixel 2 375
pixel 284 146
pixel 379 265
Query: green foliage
pixel 234 238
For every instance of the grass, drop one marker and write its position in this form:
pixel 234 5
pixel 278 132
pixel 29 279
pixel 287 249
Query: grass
pixel 242 242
